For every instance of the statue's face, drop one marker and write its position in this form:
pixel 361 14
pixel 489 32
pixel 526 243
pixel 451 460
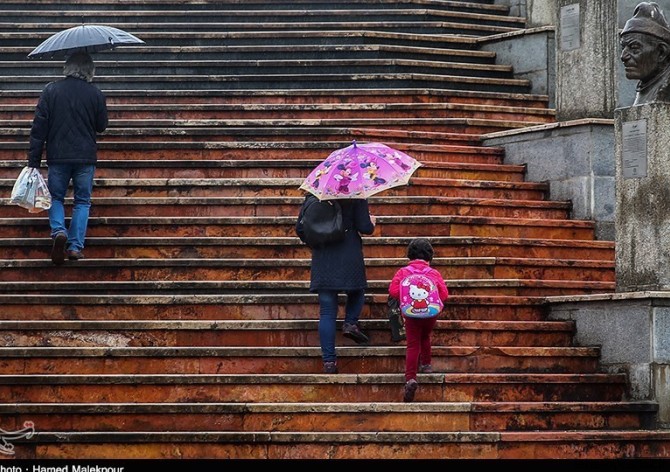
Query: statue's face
pixel 640 55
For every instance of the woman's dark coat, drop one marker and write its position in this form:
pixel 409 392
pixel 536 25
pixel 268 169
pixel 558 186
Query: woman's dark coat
pixel 341 266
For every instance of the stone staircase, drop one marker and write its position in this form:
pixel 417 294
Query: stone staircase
pixel 188 330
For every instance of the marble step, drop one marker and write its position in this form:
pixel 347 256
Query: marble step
pixel 284 226
pixel 207 111
pixel 337 79
pixel 377 387
pixel 292 247
pixel 472 290
pixel 316 417
pixel 259 333
pixel 597 448
pixel 159 152
pixel 308 96
pixel 273 168
pixel 267 206
pixel 432 125
pixel 352 359
pixel 290 187
pixel 214 138
pixel 61 301
pixel 241 269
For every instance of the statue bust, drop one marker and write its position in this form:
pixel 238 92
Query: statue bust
pixel 645 54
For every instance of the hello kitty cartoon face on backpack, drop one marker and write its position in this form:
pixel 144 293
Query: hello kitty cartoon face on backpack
pixel 419 297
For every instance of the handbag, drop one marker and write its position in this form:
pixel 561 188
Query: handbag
pixel 321 222
pixel 396 320
pixel 30 191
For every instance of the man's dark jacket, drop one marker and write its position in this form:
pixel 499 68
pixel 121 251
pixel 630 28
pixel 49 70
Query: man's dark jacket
pixel 69 113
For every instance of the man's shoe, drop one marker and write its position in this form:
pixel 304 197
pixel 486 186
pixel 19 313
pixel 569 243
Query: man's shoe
pixel 353 332
pixel 330 367
pixel 58 249
pixel 410 390
pixel 75 255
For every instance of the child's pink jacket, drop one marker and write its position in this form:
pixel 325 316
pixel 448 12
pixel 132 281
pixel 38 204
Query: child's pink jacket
pixel 432 274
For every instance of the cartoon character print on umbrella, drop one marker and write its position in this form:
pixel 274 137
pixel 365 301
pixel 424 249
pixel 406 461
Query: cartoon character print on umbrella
pixel 371 169
pixel 345 175
pixel 359 171
pixel 320 173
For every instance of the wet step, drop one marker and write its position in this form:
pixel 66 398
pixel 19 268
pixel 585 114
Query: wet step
pixel 298 96
pixel 283 168
pixel 266 65
pixel 443 387
pixel 266 206
pixel 208 111
pixel 244 269
pixel 213 137
pixel 325 417
pixel 327 45
pixel 499 21
pixel 292 247
pixel 290 187
pixel 32 301
pixel 573 445
pixel 292 360
pixel 301 80
pixel 129 157
pixel 470 288
pixel 387 226
pixel 259 333
pixel 463 22
pixel 432 125
pixel 476 6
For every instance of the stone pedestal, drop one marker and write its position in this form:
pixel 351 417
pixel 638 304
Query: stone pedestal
pixel 586 55
pixel 632 326
pixel 633 332
pixel 642 222
pixel 576 158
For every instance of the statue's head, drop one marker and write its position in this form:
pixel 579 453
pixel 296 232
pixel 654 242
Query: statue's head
pixel 648 18
pixel 645 43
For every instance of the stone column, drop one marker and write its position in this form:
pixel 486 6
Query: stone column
pixel 642 218
pixel 587 51
pixel 537 12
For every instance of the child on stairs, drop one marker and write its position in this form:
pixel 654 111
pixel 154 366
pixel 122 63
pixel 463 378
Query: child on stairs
pixel 421 291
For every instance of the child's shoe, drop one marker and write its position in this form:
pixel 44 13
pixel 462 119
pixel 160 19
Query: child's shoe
pixel 410 390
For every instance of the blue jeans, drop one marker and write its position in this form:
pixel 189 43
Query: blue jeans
pixel 328 318
pixel 58 180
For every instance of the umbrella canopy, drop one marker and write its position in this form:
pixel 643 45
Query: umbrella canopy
pixel 83 38
pixel 359 171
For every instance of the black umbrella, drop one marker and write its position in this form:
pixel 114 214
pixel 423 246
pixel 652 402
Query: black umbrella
pixel 83 38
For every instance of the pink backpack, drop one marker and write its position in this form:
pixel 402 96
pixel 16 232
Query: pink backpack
pixel 419 297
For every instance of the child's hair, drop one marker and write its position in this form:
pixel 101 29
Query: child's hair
pixel 420 248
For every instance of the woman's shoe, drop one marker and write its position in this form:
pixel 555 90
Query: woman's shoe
pixel 426 369
pixel 353 332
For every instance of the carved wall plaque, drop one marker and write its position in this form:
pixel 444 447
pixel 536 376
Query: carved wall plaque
pixel 634 155
pixel 570 27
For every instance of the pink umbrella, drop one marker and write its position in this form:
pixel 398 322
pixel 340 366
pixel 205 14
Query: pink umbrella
pixel 359 171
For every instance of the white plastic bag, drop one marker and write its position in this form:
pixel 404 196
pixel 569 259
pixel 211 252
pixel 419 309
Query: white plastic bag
pixel 30 191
